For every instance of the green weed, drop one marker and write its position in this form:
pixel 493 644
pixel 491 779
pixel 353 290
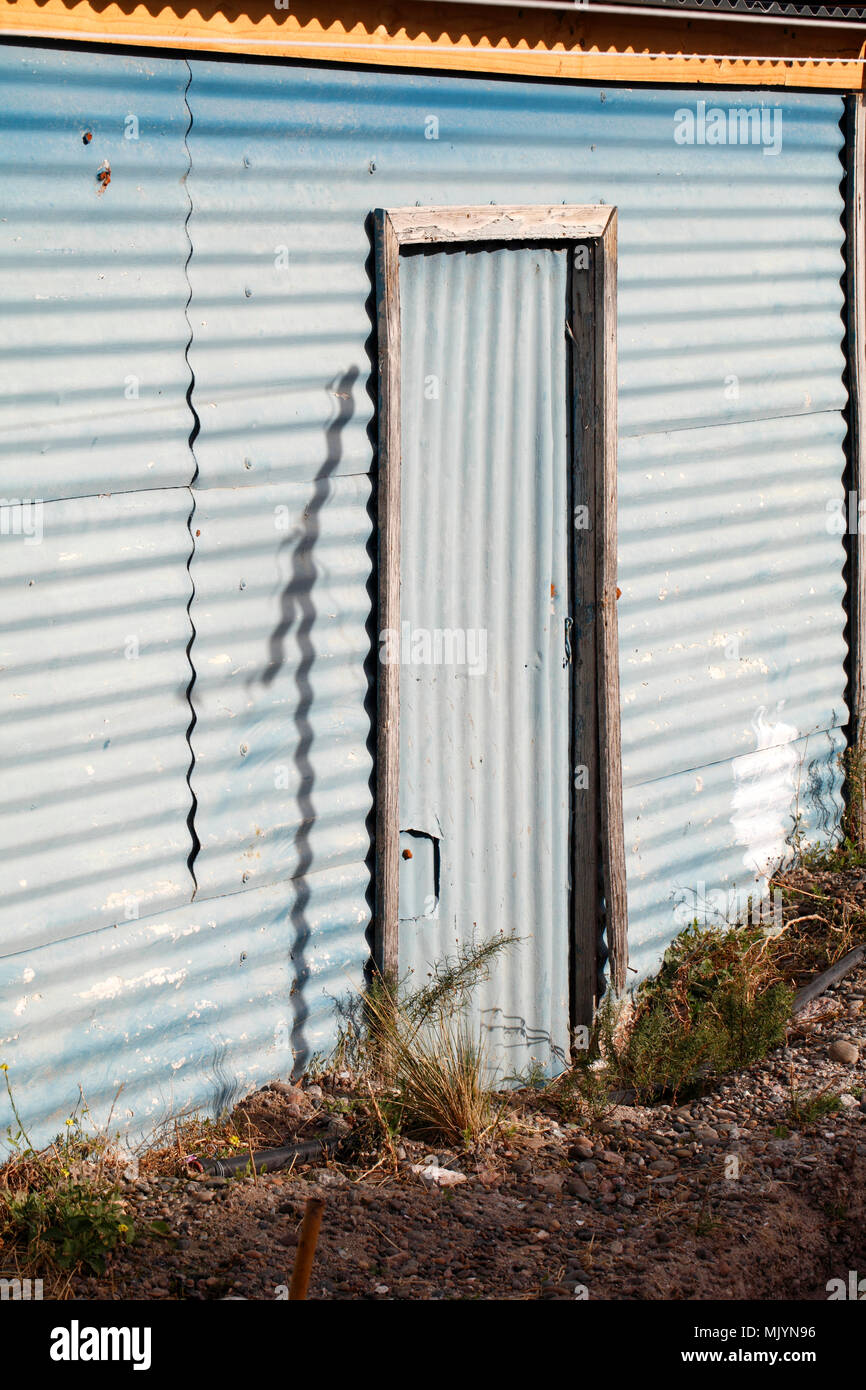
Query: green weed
pixel 62 1204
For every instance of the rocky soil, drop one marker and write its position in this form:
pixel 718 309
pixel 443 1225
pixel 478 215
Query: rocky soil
pixel 748 1192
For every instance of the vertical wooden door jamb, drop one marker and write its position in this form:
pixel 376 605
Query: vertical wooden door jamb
pixel 598 843
pixel 585 907
pixel 612 834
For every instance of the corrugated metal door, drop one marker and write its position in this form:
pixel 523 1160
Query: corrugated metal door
pixel 484 697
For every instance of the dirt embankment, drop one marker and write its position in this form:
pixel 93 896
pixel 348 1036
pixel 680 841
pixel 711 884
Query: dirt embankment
pixel 755 1190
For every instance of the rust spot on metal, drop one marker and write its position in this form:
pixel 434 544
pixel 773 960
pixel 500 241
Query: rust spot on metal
pixel 103 176
pixel 553 591
pixel 618 592
pixel 87 137
pixel 407 854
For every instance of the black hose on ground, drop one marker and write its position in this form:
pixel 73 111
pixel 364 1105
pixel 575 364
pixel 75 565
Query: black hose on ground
pixel 269 1160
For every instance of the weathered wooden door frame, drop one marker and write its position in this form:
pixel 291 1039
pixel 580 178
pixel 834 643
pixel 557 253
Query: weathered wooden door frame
pixel 596 838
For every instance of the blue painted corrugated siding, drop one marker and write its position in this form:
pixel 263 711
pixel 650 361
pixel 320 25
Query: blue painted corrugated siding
pixel 94 801
pixel 731 653
pixel 178 1012
pixel 730 363
pixel 94 430
pixel 92 280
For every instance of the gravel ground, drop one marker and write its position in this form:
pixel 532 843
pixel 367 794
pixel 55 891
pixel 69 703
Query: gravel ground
pixel 727 1197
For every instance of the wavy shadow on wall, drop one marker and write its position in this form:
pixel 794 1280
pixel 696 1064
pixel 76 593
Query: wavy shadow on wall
pixel 293 642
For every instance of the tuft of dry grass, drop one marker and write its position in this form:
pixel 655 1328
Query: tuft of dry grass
pixel 430 1067
pixel 440 1088
pixel 824 915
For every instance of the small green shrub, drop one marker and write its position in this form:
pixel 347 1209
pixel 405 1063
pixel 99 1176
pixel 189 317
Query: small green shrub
pixel 717 1004
pixel 581 1095
pixel 62 1203
pixel 853 763
pixel 75 1224
pixel 807 1110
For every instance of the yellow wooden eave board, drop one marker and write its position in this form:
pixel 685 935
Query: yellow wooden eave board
pixel 541 43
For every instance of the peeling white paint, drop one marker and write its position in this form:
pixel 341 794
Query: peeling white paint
pixel 115 985
pixel 115 901
pixel 164 887
pixel 24 1001
pixel 166 929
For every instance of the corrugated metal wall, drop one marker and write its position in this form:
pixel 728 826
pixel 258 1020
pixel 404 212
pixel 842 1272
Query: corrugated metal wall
pixel 93 433
pixel 731 395
pixel 731 446
pixel 484 737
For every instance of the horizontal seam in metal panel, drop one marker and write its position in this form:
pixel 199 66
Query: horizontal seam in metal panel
pixel 116 492
pixel 275 882
pixel 198 487
pixel 76 936
pixel 368 472
pixel 725 424
pixel 717 762
pixel 195 903
pixel 294 481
